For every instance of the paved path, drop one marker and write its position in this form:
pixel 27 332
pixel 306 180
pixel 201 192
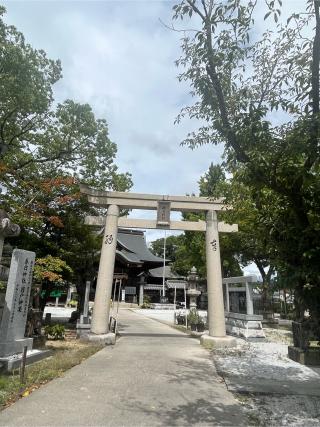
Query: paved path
pixel 154 376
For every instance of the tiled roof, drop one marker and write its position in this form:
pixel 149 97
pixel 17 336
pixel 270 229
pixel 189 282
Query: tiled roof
pixel 132 247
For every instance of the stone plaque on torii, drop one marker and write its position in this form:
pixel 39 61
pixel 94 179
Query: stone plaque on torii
pixel 163 204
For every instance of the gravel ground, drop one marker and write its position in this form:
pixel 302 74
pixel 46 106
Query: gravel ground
pixel 265 361
pixel 275 410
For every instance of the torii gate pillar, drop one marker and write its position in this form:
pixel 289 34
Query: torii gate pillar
pixel 217 326
pixel 100 316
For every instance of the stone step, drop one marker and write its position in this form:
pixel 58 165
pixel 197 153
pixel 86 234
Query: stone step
pixel 70 334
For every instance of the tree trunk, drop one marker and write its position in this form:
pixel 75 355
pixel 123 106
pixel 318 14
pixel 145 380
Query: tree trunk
pixel 265 296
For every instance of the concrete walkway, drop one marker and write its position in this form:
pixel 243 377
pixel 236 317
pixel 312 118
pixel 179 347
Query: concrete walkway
pixel 154 376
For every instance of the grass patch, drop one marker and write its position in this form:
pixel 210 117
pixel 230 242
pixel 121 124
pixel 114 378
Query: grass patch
pixel 66 355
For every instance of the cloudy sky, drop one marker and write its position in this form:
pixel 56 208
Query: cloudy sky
pixel 118 57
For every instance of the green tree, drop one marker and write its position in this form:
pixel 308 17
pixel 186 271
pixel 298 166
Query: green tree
pixel 193 251
pixel 50 271
pixel 45 151
pixel 172 243
pixel 251 243
pixel 26 79
pixel 239 81
pixel 36 138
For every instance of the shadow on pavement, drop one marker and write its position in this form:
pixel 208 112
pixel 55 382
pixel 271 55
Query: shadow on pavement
pixel 198 412
pixel 202 411
pixel 151 335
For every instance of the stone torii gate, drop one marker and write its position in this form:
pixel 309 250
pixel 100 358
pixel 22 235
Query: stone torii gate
pixel 114 201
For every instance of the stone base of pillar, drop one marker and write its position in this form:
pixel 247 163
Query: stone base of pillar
pixel 9 363
pixel 217 342
pixel 104 339
pixel 82 329
pixel 7 348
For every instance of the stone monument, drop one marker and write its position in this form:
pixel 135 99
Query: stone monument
pixel 14 316
pixel 16 306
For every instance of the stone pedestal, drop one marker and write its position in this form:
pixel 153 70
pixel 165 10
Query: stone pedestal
pixel 246 326
pixel 7 348
pixel 217 342
pixel 83 329
pixel 310 357
pixel 193 295
pixel 7 364
pixel 104 339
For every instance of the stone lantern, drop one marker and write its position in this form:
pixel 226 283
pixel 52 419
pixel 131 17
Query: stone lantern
pixel 7 229
pixel 192 291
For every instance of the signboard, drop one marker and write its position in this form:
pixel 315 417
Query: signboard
pixel 163 213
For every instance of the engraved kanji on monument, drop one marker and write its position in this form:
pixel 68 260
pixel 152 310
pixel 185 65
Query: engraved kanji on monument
pixel 14 316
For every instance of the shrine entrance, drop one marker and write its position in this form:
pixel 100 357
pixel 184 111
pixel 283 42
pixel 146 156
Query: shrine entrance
pixel 114 201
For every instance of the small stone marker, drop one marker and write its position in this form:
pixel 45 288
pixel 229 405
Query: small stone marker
pixel 86 299
pixel 16 306
pixel 83 326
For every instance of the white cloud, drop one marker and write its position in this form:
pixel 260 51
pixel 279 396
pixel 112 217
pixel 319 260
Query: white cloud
pixel 119 58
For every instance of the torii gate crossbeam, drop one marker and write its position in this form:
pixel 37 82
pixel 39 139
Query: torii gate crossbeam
pixel 114 201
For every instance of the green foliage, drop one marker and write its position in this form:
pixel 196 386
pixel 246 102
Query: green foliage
pixel 191 250
pixel 33 133
pixel 46 149
pixel 251 242
pixel 55 332
pixel 146 302
pixel 210 182
pixel 172 243
pixel 38 142
pixel 50 272
pixel 27 76
pixel 73 303
pixel 194 319
pixel 51 269
pixel 239 82
pixel 188 249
